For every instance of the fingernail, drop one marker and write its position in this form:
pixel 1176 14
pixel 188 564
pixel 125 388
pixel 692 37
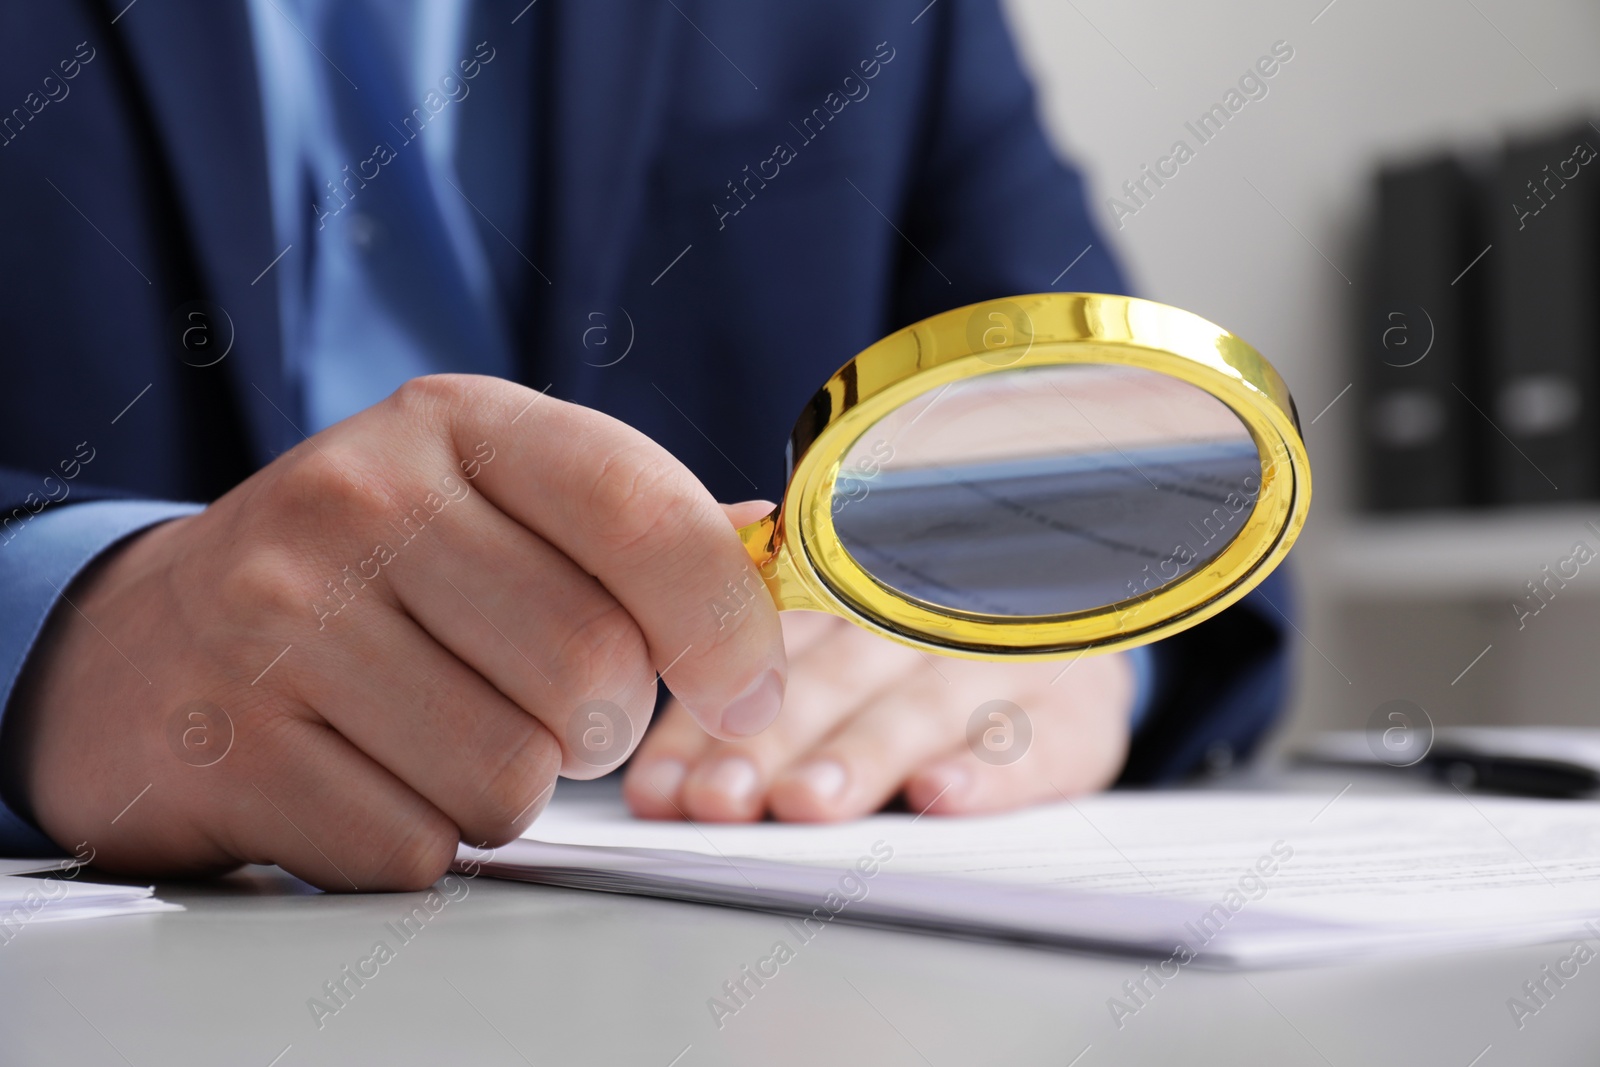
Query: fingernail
pixel 734 777
pixel 951 783
pixel 665 776
pixel 753 710
pixel 825 778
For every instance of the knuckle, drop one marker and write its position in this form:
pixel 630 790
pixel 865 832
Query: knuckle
pixel 523 778
pixel 263 584
pixel 603 655
pixel 639 500
pixel 728 624
pixel 431 396
pixel 419 857
pixel 335 481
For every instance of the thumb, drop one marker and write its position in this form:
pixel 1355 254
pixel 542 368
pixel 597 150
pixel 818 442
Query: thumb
pixel 748 511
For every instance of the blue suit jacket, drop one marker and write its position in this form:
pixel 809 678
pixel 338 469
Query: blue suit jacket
pixel 746 214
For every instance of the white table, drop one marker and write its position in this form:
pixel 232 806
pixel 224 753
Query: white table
pixel 512 974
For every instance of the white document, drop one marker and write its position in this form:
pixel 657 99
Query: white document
pixel 1241 879
pixel 25 901
pixel 34 866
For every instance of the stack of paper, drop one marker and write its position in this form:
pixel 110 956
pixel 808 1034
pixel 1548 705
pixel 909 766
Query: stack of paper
pixel 24 901
pixel 1234 879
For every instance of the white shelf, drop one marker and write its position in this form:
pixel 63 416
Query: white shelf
pixel 1445 555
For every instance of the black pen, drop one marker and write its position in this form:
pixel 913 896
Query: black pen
pixel 1520 775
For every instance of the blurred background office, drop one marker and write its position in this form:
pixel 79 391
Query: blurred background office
pixel 1451 493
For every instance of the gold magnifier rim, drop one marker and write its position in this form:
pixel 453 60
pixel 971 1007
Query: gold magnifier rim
pixel 805 566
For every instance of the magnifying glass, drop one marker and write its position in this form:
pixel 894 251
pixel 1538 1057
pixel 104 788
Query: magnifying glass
pixel 1038 477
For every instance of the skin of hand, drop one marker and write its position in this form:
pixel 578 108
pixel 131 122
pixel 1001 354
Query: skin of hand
pixel 865 718
pixel 389 640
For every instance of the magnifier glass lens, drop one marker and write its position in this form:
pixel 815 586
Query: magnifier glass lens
pixel 1043 491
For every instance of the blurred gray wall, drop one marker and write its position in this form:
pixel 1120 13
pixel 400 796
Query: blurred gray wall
pixel 1260 232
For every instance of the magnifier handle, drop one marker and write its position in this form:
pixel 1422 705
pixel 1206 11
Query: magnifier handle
pixel 770 554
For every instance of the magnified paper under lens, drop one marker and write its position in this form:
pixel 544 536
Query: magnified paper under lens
pixel 1046 490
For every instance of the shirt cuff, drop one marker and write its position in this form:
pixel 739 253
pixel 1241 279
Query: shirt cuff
pixel 36 566
pixel 1146 679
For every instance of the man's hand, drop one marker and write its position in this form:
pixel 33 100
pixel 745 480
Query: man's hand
pixel 389 640
pixel 866 718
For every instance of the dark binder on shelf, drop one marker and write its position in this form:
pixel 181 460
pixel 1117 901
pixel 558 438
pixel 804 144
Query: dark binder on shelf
pixel 1543 293
pixel 1418 342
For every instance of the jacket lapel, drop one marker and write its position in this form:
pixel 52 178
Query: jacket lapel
pixel 196 65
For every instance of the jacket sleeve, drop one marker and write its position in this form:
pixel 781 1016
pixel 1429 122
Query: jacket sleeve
pixel 43 548
pixel 991 212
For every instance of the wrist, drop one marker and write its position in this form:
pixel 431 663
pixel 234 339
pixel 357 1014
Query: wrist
pixel 69 684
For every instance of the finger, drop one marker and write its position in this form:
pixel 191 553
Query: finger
pixel 330 815
pixel 1077 751
pixel 858 767
pixel 653 782
pixel 430 720
pixel 804 630
pixel 746 512
pixel 841 672
pixel 656 775
pixel 626 511
pixel 541 631
pixel 1079 728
